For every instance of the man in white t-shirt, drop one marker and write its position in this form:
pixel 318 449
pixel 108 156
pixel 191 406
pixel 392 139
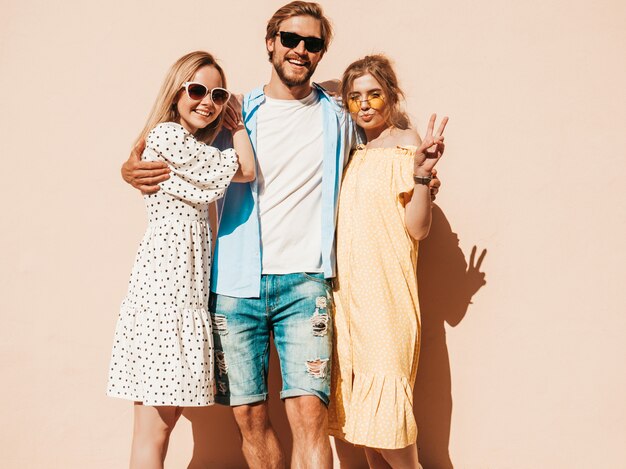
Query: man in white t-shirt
pixel 274 255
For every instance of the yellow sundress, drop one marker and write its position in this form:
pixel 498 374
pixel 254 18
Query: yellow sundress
pixel 377 318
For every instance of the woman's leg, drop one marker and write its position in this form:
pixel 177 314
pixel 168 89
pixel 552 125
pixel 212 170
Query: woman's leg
pixel 151 435
pixel 404 458
pixel 375 460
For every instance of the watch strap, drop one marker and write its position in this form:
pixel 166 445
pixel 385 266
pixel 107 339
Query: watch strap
pixel 424 180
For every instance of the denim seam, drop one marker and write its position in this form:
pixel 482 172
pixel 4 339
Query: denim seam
pixel 323 281
pixel 297 392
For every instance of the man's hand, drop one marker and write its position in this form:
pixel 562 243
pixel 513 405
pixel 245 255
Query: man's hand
pixel 144 175
pixel 333 88
pixel 434 185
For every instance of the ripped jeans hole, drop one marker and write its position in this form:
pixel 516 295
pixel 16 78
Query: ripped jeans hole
pixel 319 323
pixel 222 366
pixel 321 302
pixel 317 368
pixel 222 387
pixel 219 324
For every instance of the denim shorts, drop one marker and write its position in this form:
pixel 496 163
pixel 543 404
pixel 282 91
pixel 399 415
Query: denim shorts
pixel 297 310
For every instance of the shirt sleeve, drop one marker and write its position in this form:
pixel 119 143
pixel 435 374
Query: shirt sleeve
pixel 403 182
pixel 199 173
pixel 352 138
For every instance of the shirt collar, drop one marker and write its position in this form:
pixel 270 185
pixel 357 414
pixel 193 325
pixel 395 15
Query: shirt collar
pixel 257 96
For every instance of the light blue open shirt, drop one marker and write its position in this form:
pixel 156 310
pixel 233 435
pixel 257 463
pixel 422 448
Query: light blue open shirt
pixel 237 257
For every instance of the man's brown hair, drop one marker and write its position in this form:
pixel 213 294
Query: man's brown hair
pixel 299 8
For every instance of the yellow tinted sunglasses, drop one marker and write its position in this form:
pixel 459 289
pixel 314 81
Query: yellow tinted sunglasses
pixel 375 101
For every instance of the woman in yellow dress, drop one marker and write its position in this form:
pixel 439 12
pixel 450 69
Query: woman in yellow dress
pixel 384 211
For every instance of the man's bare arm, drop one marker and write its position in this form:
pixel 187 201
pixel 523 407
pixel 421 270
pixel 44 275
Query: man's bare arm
pixel 144 175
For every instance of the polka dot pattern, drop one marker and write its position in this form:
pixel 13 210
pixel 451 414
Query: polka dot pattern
pixel 377 321
pixel 163 346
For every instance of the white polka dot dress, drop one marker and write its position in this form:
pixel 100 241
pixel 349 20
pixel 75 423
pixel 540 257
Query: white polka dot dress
pixel 163 348
pixel 377 318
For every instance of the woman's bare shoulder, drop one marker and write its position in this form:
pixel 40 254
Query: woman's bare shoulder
pixel 404 137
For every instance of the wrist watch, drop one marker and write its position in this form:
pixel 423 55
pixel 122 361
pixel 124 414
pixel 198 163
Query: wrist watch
pixel 424 180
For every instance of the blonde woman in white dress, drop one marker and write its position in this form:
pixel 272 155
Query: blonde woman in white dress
pixel 162 357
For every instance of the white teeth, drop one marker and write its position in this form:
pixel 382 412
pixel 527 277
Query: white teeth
pixel 295 62
pixel 203 113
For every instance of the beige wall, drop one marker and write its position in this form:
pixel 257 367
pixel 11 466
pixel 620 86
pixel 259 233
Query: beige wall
pixel 534 173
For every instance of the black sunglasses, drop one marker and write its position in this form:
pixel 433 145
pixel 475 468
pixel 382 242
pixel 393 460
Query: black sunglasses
pixel 291 40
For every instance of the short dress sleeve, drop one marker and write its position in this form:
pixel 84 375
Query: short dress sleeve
pixel 403 182
pixel 199 173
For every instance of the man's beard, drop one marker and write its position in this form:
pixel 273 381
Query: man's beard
pixel 291 82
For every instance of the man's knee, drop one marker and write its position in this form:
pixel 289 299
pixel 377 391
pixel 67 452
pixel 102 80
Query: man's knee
pixel 307 412
pixel 252 418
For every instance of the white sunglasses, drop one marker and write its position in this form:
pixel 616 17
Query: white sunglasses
pixel 197 92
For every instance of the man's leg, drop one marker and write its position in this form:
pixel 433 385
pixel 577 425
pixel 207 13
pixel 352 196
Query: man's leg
pixel 241 341
pixel 302 323
pixel 260 444
pixel 309 425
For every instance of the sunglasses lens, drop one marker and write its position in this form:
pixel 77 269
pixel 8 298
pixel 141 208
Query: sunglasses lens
pixel 289 40
pixel 376 103
pixel 354 105
pixel 313 44
pixel 219 96
pixel 196 91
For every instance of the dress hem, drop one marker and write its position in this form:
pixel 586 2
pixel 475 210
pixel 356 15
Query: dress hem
pixel 157 403
pixel 336 433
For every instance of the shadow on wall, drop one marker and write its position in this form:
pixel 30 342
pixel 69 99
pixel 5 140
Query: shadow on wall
pixel 447 283
pixel 446 286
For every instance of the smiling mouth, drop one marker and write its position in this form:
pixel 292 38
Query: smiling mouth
pixel 203 113
pixel 298 62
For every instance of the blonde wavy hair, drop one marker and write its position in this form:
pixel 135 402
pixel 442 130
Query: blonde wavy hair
pixel 379 66
pixel 165 110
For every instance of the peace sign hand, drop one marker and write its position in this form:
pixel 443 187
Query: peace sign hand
pixel 431 149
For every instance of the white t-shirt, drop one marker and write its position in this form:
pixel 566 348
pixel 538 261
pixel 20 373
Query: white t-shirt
pixel 290 148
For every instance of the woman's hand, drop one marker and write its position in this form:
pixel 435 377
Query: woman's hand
pixel 431 149
pixel 232 114
pixel 241 142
